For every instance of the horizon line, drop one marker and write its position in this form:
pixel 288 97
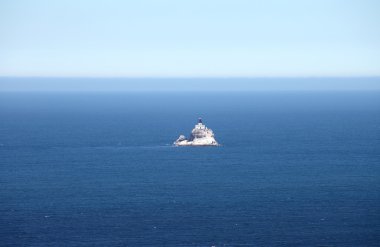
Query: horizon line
pixel 188 83
pixel 191 77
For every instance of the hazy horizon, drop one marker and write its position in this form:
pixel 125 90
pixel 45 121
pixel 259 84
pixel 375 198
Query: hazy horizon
pixel 83 84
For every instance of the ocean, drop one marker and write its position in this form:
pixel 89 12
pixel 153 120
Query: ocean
pixel 99 169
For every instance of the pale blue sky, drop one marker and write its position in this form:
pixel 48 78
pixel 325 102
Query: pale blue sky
pixel 197 38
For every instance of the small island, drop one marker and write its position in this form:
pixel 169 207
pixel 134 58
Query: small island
pixel 200 136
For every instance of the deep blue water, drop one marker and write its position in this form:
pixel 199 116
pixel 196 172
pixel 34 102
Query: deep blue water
pixel 92 169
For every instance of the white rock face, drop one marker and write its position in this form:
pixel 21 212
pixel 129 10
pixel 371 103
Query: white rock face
pixel 200 136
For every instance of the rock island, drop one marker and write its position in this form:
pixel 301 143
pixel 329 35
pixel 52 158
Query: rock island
pixel 200 136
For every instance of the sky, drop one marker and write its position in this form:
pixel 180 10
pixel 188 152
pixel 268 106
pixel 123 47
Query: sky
pixel 198 38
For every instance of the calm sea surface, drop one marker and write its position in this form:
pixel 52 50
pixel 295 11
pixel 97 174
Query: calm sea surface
pixel 92 169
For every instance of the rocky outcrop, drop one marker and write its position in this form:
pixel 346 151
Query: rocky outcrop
pixel 200 136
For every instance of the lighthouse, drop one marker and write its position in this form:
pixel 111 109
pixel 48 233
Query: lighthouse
pixel 200 136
